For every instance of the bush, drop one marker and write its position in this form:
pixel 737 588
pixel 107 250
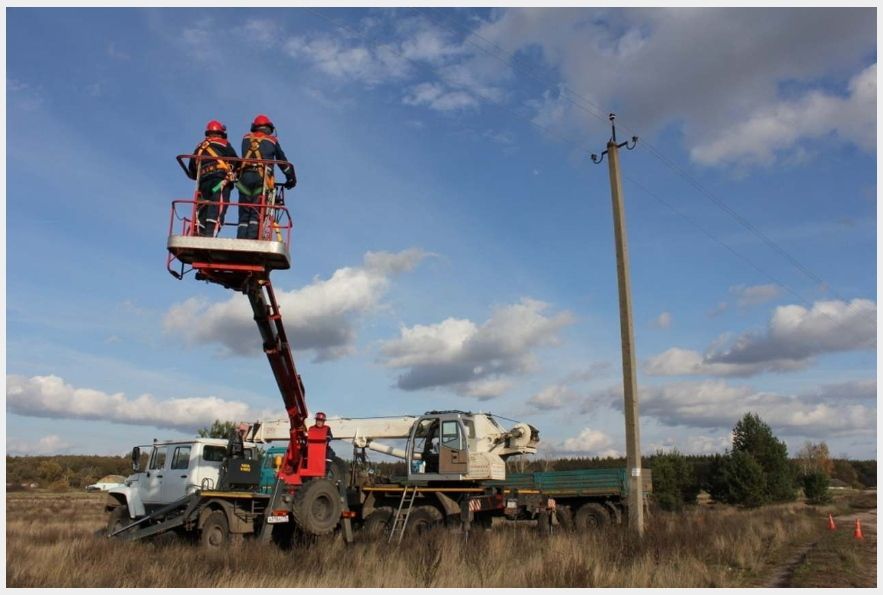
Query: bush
pixel 815 487
pixel 674 483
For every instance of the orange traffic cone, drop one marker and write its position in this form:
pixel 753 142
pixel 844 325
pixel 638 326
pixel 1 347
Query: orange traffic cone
pixel 831 524
pixel 858 530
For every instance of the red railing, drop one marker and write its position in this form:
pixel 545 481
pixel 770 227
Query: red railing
pixel 274 220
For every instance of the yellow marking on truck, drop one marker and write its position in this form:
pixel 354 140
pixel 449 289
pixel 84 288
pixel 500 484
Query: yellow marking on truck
pixel 245 495
pixel 427 489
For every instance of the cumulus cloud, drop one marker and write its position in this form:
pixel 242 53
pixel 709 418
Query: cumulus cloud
pixel 690 444
pixel 474 360
pixel 52 397
pixel 782 125
pixel 344 61
pixel 793 337
pixel 322 317
pixel 715 404
pixel 731 70
pixel 47 445
pixel 439 97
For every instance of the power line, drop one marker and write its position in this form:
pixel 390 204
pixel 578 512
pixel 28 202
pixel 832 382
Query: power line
pixel 597 112
pixel 555 134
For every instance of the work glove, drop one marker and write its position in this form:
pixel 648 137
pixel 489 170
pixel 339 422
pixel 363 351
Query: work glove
pixel 289 183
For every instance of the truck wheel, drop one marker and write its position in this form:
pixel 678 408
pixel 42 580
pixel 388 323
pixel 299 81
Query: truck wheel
pixel 378 522
pixel 422 519
pixel 119 518
pixel 590 516
pixel 215 532
pixel 316 506
pixel 564 516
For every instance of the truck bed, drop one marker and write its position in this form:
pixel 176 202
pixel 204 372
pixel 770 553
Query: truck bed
pixel 579 482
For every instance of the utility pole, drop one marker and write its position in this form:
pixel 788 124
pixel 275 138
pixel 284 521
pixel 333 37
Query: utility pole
pixel 630 384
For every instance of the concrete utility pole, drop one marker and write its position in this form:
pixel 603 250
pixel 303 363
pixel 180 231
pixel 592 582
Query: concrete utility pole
pixel 630 385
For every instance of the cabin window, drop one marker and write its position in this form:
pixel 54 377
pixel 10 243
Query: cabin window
pixel 214 454
pixel 181 458
pixel 451 436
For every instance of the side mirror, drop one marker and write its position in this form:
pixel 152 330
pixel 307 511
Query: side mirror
pixel 136 459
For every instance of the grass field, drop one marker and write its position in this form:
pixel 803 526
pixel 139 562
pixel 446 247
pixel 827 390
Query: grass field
pixel 50 542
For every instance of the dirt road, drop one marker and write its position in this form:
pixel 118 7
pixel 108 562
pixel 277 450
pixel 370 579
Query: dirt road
pixel 783 575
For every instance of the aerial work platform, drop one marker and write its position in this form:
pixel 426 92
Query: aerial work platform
pixel 229 261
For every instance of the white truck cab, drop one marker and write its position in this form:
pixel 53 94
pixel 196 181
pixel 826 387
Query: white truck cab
pixel 166 471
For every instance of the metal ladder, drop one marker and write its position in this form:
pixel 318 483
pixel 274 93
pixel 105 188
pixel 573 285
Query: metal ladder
pixel 402 514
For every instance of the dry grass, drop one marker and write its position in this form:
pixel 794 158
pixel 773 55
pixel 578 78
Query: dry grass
pixel 50 543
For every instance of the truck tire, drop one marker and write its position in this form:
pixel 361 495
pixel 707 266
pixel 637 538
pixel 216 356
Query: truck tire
pixel 316 506
pixel 215 531
pixel 422 519
pixel 119 518
pixel 564 516
pixel 591 517
pixel 378 522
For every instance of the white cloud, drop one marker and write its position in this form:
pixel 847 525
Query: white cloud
pixel 715 404
pixel 784 124
pixel 731 69
pixel 438 97
pixel 369 65
pixel 751 295
pixel 50 396
pixel 663 321
pixel 794 336
pixel 321 317
pixel 47 445
pixel 689 443
pixel 589 442
pixel 555 396
pixel 460 354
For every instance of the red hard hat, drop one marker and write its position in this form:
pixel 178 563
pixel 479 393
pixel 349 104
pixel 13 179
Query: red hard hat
pixel 262 120
pixel 320 416
pixel 215 126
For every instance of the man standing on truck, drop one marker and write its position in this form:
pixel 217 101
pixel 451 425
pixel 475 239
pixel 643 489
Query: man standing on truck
pixel 214 177
pixel 256 181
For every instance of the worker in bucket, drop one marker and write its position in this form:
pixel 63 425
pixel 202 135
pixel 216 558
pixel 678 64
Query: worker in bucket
pixel 256 181
pixel 214 177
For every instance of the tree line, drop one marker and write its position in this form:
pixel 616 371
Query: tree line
pixel 757 470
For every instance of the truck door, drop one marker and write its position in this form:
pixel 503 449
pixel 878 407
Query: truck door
pixel 177 480
pixel 152 494
pixel 453 456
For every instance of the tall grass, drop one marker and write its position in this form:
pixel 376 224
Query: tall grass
pixel 50 543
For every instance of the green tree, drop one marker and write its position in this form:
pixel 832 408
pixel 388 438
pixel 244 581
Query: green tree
pixel 218 429
pixel 674 483
pixel 738 479
pixel 752 436
pixel 815 487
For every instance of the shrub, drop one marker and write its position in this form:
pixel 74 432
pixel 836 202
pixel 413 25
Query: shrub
pixel 815 487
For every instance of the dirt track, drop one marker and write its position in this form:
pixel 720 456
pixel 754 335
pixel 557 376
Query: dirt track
pixel 783 574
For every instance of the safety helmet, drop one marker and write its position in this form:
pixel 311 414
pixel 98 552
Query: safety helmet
pixel 262 120
pixel 215 127
pixel 320 416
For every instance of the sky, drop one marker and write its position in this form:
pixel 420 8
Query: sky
pixel 453 241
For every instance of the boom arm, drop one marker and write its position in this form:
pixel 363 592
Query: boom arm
pixel 302 442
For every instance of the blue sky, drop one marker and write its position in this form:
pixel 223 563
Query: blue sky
pixel 453 243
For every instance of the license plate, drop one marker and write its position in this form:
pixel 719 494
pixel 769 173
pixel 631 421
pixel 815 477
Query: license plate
pixel 277 518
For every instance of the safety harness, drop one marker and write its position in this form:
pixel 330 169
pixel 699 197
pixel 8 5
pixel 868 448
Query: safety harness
pixel 210 166
pixel 268 180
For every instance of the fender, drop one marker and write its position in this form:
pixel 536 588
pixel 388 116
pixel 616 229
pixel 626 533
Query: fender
pixel 125 495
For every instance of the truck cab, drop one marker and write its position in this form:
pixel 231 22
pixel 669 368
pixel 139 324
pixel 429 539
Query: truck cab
pixel 438 447
pixel 166 471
